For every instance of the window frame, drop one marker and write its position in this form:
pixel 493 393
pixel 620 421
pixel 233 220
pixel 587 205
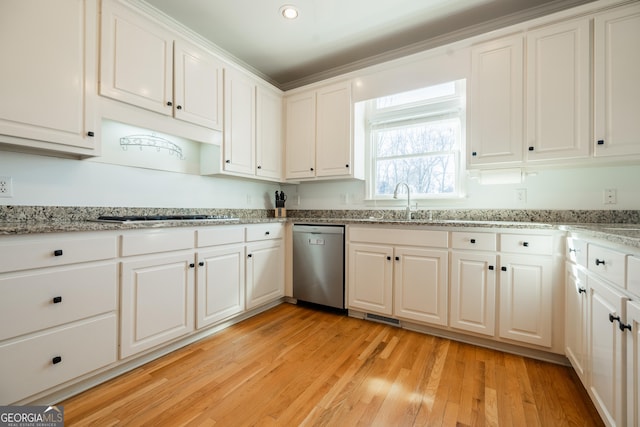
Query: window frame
pixel 429 110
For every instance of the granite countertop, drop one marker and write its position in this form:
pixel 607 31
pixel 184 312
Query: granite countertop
pixel 623 234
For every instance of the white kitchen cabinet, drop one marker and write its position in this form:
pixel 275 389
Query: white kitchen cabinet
pixel 57 292
pixel 370 275
pixel 220 283
pixel 607 347
pixel 239 144
pixel 157 300
pixel 49 89
pixel 632 327
pixel 576 319
pixel 617 88
pixel 526 299
pixel 264 264
pixel 473 292
pixel 421 284
pixel 558 91
pixel 140 67
pixel 495 131
pixel 319 141
pixel 269 138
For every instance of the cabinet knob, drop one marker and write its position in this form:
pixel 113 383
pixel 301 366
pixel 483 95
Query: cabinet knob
pixel 192 265
pixel 266 233
pixel 601 142
pixel 613 318
pixel 623 327
pixel 259 167
pixel 227 161
pixel 249 255
pixel 472 240
pixel 474 154
pixel 56 360
pixel 388 258
pixel 531 148
pixel 178 107
pixel 346 166
pixel 525 244
pixel 201 264
pixel 600 261
pixel 582 291
pixel 503 268
pixel 491 267
pixel 311 169
pixel 91 134
pixel 57 300
pixel 573 250
pixel 169 103
pixel 57 252
pixel 397 258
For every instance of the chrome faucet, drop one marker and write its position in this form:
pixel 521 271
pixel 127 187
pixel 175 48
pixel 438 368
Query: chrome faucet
pixel 395 196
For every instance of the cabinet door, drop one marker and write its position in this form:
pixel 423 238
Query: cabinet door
pixel 473 292
pixel 300 135
pixel 606 351
pixel 575 331
pixel 136 59
pixel 220 284
pixel 265 272
pixel 421 285
pixel 617 87
pixel 495 120
pixel 48 78
pixel 269 134
pixel 198 86
pixel 633 363
pixel 239 123
pixel 558 91
pixel 370 284
pixel 526 299
pixel 157 301
pixel 333 130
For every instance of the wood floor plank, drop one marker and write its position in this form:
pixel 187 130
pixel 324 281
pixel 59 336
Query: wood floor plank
pixel 295 366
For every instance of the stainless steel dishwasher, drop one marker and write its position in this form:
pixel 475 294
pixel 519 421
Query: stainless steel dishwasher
pixel 318 264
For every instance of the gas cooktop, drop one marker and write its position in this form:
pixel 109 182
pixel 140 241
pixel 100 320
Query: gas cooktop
pixel 128 219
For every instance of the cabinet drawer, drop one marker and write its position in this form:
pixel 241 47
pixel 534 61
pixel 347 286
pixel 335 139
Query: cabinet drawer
pixel 214 236
pixel 609 264
pixel 31 365
pixel 264 232
pixel 576 251
pixel 147 242
pixel 526 244
pixel 394 236
pixel 31 302
pixel 51 250
pixel 477 241
pixel 633 274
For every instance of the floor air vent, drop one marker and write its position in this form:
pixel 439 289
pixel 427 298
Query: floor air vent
pixel 382 319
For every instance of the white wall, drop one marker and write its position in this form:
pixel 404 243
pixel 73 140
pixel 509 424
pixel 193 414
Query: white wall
pixel 566 189
pixel 49 181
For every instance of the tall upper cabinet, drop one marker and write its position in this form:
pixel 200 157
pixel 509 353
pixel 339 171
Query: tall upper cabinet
pixel 617 82
pixel 47 84
pixel 146 65
pixel 319 142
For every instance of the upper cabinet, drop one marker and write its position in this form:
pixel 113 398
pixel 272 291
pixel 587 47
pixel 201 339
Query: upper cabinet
pixel 495 121
pixel 239 123
pixel 617 86
pixel 269 140
pixel 557 91
pixel 144 64
pixel 47 84
pixel 319 141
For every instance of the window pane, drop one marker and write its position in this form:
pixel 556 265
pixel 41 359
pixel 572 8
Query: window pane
pixel 425 175
pixel 419 138
pixel 424 94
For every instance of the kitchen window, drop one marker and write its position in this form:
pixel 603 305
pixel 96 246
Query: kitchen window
pixel 416 137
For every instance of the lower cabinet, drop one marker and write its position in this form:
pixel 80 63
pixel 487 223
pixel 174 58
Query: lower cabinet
pixel 265 272
pixel 633 363
pixel 473 292
pixel 157 300
pixel 575 335
pixel 220 284
pixel 371 278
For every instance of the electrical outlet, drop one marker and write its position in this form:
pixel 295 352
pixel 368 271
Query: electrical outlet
pixel 6 186
pixel 521 195
pixel 610 196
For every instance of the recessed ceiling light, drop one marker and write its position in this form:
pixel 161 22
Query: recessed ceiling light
pixel 289 12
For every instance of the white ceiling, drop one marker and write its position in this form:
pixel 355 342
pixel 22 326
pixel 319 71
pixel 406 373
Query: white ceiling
pixel 334 36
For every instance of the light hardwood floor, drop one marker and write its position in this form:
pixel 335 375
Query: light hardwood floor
pixel 296 366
